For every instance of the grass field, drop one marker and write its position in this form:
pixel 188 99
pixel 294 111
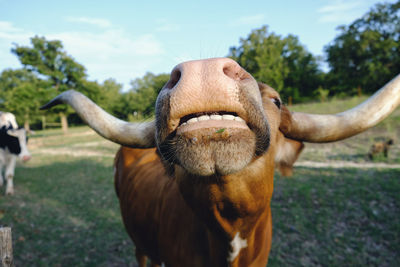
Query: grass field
pixel 65 212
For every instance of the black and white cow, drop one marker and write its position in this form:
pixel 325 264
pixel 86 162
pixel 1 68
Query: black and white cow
pixel 13 145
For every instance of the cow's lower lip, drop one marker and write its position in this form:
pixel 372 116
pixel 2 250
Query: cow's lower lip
pixel 214 150
pixel 219 125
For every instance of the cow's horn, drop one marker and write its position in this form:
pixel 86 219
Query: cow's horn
pixel 327 128
pixel 139 135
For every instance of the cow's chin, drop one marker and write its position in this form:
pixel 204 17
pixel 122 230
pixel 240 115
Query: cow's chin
pixel 215 150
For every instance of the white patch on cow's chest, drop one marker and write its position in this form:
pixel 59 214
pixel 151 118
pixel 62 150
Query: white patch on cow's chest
pixel 236 244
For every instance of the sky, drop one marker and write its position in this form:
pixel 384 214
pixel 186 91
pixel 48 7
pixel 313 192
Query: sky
pixel 126 39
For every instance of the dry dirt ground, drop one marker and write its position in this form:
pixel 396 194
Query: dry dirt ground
pixel 39 146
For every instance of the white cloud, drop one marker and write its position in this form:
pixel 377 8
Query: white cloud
pixel 108 44
pixel 6 26
pixel 341 11
pixel 102 23
pixel 10 35
pixel 9 32
pixel 249 20
pixel 111 52
pixel 167 26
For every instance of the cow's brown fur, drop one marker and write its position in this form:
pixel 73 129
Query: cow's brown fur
pixel 188 220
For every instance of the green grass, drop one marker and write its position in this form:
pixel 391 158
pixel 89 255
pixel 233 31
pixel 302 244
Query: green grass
pixel 328 107
pixel 347 217
pixel 65 211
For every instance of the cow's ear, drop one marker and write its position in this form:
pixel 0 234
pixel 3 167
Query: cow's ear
pixel 286 120
pixel 288 150
pixel 12 132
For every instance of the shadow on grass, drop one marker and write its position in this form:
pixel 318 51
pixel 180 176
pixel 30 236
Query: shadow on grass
pixel 66 214
pixel 331 217
pixel 391 159
pixel 349 157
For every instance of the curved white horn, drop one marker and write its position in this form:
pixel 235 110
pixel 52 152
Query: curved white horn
pixel 328 128
pixel 140 135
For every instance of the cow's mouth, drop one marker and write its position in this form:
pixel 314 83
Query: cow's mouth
pixel 201 120
pixel 208 143
pixel 214 142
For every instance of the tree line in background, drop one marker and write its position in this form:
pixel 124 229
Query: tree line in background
pixel 363 56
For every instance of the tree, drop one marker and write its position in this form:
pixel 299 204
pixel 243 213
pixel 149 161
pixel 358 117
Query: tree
pixel 261 55
pixel 282 63
pixel 142 96
pixel 21 94
pixel 111 97
pixel 48 59
pixel 366 54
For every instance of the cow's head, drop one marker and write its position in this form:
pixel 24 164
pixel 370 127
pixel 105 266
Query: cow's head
pixel 212 117
pixel 16 142
pixel 8 120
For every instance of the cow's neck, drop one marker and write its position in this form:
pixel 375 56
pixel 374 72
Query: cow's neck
pixel 233 206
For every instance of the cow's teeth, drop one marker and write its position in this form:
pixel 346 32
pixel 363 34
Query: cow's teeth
pixel 192 120
pixel 203 118
pixel 238 119
pixel 213 117
pixel 228 117
pixel 216 117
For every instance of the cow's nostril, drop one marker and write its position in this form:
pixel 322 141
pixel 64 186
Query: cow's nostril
pixel 234 71
pixel 174 79
pixel 231 73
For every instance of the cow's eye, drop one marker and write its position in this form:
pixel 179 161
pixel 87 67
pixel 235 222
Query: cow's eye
pixel 277 102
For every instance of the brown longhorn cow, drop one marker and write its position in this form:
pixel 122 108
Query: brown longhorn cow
pixel 382 146
pixel 195 185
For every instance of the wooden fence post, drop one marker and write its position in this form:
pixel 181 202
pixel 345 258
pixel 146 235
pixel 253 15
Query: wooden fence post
pixel 6 254
pixel 43 123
